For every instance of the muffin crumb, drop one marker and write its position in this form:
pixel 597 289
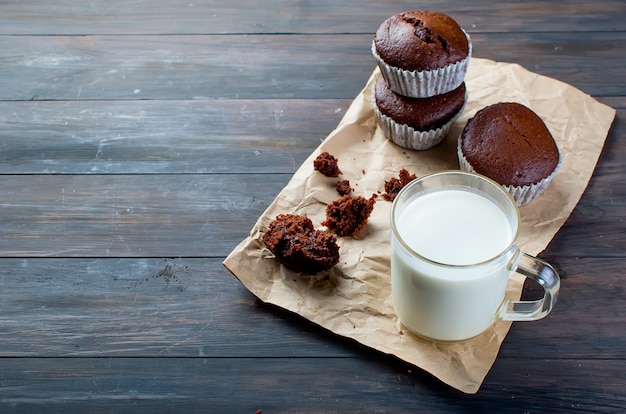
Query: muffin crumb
pixel 343 187
pixel 394 185
pixel 348 215
pixel 295 243
pixel 327 164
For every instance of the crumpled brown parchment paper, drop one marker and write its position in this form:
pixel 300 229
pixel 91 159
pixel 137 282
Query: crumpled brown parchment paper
pixel 353 298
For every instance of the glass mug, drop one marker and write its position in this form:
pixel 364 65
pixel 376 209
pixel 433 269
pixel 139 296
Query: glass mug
pixel 454 237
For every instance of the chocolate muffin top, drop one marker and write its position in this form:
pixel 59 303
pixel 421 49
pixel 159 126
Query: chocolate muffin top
pixel 510 144
pixel 422 114
pixel 421 40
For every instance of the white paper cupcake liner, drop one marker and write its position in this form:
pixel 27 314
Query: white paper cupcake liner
pixel 522 194
pixel 408 137
pixel 424 84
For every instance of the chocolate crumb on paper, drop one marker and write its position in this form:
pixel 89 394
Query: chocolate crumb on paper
pixel 327 164
pixel 296 244
pixel 348 215
pixel 343 187
pixel 394 185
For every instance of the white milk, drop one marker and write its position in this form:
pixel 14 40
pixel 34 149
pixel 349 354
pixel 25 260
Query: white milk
pixel 453 227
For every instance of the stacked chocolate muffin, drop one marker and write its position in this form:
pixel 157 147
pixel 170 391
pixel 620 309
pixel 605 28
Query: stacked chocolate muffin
pixel 423 57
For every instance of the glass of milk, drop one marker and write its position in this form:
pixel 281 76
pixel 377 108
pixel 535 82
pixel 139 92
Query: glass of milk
pixel 454 238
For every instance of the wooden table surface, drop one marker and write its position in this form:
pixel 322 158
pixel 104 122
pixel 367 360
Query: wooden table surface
pixel 141 140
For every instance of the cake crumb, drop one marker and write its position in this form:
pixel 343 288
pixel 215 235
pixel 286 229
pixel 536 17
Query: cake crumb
pixel 394 185
pixel 348 215
pixel 343 187
pixel 327 164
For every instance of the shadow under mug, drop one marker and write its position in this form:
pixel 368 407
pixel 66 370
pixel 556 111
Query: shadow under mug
pixel 452 297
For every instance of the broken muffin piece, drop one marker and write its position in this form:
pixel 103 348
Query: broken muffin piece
pixel 348 215
pixel 327 165
pixel 295 243
pixel 394 185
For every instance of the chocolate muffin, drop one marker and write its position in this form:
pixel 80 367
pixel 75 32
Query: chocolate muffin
pixel 422 53
pixel 296 244
pixel 510 144
pixel 417 123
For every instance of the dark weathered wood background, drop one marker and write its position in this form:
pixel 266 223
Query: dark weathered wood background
pixel 141 140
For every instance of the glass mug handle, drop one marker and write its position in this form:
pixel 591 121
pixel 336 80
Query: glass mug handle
pixel 531 310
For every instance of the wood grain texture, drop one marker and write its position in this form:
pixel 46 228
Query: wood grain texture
pixel 137 215
pixel 82 17
pixel 240 67
pixel 298 385
pixel 175 137
pixel 165 307
pixel 189 307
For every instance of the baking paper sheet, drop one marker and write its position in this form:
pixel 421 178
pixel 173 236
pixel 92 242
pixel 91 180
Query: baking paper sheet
pixel 353 299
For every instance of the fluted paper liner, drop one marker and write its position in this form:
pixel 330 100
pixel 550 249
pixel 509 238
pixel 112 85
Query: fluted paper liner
pixel 410 138
pixel 353 299
pixel 522 194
